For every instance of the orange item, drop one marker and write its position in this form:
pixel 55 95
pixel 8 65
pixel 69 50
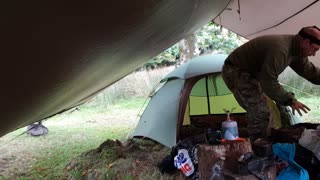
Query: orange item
pixel 238 139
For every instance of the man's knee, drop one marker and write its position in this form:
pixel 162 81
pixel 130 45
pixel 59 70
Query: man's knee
pixel 258 123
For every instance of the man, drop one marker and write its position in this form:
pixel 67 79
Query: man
pixel 251 73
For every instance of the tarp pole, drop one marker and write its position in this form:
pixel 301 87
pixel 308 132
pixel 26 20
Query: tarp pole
pixel 208 99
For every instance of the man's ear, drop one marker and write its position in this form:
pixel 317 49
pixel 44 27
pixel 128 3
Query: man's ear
pixel 306 42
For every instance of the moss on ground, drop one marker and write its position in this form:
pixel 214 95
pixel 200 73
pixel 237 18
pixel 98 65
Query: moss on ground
pixel 133 159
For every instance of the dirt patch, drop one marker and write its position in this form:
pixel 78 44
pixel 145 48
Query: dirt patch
pixel 3 165
pixel 15 161
pixel 135 159
pixel 12 166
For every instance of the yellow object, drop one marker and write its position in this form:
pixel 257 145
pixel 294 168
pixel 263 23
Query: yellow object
pixel 275 118
pixel 186 118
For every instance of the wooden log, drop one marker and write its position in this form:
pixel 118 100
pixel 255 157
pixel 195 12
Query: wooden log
pixel 270 173
pixel 208 155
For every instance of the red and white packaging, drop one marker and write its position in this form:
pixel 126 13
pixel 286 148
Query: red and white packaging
pixel 183 162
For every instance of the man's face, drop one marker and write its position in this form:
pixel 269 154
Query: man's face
pixel 308 48
pixel 311 45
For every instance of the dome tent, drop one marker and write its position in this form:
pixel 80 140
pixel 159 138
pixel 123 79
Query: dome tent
pixel 195 88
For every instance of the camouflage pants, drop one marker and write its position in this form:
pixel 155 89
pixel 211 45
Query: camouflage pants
pixel 248 92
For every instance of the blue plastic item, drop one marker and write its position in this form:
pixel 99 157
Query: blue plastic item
pixel 294 171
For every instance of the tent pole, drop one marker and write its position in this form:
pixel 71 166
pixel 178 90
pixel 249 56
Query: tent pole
pixel 208 99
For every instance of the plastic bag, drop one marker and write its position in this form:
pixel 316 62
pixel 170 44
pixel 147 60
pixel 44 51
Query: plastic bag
pixel 310 139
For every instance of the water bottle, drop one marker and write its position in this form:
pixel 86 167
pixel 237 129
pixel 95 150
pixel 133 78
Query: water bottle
pixel 217 170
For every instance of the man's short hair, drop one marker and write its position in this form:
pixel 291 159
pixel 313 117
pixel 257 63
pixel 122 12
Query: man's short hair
pixel 305 35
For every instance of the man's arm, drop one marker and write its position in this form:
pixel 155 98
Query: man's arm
pixel 274 63
pixel 306 69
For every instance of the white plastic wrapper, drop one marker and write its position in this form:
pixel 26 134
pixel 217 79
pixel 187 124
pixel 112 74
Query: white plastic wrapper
pixel 183 162
pixel 310 140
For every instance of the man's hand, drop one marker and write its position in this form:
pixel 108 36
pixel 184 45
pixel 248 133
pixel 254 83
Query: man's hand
pixel 297 106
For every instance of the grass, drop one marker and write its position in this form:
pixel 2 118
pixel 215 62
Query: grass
pixel 304 91
pixel 70 134
pixel 313 104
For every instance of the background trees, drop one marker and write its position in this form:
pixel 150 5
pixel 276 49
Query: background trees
pixel 211 38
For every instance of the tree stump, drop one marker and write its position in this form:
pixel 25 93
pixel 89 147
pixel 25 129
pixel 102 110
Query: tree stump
pixel 208 155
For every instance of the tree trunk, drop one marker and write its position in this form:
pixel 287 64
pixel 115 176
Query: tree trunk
pixel 188 48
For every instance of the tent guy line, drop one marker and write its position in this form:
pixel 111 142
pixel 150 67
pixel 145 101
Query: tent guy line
pixel 225 8
pixel 299 90
pixel 286 19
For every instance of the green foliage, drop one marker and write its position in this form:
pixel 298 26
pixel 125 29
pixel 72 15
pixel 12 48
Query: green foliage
pixel 138 85
pixel 76 175
pixel 212 37
pixel 304 91
pixel 108 174
pixel 166 58
pixel 292 82
pixel 128 177
pixel 130 103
